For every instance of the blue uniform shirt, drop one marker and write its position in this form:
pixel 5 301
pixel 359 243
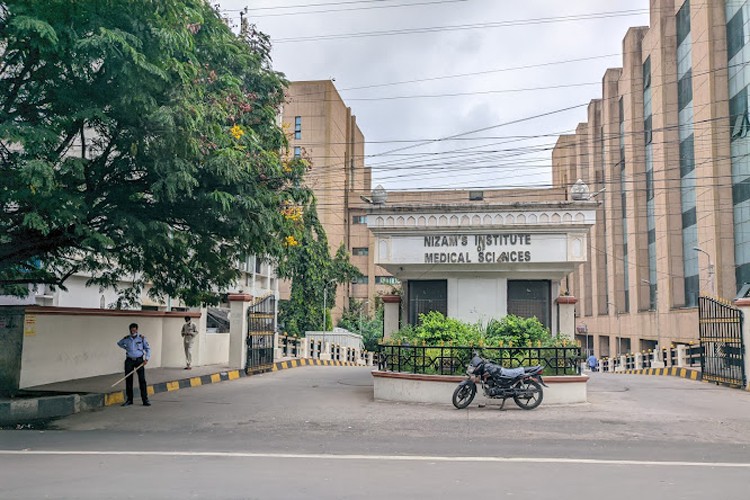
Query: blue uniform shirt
pixel 135 346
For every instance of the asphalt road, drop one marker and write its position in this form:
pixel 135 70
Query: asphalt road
pixel 315 432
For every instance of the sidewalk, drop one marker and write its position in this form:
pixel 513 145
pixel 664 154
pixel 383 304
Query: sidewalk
pixel 46 402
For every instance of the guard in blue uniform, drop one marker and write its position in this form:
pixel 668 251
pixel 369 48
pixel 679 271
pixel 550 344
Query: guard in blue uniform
pixel 137 352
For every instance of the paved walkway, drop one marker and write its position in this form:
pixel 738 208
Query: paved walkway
pixel 103 383
pixel 49 401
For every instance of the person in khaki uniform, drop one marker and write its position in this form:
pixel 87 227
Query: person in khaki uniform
pixel 189 331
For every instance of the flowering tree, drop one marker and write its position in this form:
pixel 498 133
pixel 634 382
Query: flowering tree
pixel 313 273
pixel 138 142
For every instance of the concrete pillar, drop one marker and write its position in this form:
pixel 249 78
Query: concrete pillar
pixel 391 311
pixel 566 308
pixel 238 306
pixel 681 356
pixel 657 361
pixel 370 358
pixel 325 353
pixel 623 361
pixel 302 348
pixel 638 361
pixel 744 305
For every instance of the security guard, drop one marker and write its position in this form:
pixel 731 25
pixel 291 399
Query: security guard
pixel 137 352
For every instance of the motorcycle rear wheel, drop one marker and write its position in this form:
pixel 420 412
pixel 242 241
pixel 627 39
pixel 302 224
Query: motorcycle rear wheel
pixel 533 394
pixel 464 394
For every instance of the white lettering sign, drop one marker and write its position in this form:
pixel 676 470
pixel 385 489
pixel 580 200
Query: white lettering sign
pixel 492 248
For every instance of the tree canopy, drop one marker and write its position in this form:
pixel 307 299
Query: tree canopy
pixel 139 142
pixel 315 276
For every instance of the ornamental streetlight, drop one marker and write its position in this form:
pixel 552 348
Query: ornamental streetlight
pixel 656 310
pixel 710 269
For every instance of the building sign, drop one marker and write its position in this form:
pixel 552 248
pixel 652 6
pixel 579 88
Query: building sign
pixel 29 325
pixel 485 248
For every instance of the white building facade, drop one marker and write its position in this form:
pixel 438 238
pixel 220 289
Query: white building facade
pixel 481 262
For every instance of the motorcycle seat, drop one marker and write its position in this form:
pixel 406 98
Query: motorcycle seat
pixel 512 372
pixel 531 368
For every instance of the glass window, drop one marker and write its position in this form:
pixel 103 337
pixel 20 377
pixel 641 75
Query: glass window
pixel 735 34
pixel 685 90
pixel 738 115
pixel 298 127
pixel 692 290
pixel 741 191
pixel 258 263
pixel 359 219
pixel 648 131
pixel 359 251
pixel 689 218
pixel 386 280
pixel 426 296
pixel 683 22
pixel 649 184
pixel 530 299
pixel 361 280
pixel 647 74
pixel 687 156
pixel 297 151
pixel 476 195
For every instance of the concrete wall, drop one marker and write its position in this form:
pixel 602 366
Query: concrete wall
pixel 68 343
pixel 215 349
pixel 439 389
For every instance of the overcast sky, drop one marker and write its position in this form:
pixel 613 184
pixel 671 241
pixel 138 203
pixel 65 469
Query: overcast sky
pixel 487 41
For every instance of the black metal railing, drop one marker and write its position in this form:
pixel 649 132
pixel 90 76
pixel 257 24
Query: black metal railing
pixel 450 360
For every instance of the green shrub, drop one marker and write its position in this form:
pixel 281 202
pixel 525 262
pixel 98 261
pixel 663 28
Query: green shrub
pixel 435 329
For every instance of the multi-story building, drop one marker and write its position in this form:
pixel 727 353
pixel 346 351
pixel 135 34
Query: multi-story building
pixel 324 130
pixel 667 148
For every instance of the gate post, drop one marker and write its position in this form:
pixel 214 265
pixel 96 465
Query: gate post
pixel 744 306
pixel 238 306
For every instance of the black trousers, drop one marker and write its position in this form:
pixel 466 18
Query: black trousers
pixel 130 365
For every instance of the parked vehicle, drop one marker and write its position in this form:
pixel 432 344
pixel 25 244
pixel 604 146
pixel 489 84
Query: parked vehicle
pixel 523 384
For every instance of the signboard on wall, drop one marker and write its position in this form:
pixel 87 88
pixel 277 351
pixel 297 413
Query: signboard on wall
pixel 29 325
pixel 483 248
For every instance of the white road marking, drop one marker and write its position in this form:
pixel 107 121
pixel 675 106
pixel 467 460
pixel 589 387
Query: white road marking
pixel 384 458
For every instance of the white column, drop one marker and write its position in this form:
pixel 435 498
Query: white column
pixel 391 309
pixel 657 361
pixel 681 356
pixel 638 361
pixel 566 306
pixel 238 305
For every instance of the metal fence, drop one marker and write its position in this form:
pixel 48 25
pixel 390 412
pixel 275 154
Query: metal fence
pixel 449 360
pixel 720 328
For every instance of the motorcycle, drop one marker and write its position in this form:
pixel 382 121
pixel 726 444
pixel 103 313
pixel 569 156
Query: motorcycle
pixel 523 384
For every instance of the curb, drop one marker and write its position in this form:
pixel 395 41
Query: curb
pixel 20 411
pixel 673 371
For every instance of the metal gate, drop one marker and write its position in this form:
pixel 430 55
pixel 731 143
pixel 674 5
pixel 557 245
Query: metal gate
pixel 261 327
pixel 720 327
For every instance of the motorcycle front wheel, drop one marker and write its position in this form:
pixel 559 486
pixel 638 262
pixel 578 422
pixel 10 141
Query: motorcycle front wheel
pixel 531 394
pixel 464 394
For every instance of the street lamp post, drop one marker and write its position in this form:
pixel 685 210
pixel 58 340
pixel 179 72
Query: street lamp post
pixel 656 310
pixel 710 269
pixel 325 303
